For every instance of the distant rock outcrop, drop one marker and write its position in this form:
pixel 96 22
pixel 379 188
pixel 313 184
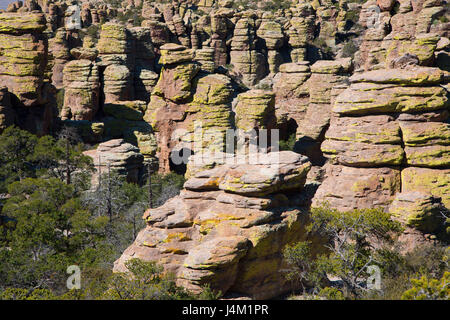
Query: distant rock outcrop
pixel 117 155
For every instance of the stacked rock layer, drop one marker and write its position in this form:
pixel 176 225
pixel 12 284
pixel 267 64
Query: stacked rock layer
pixel 389 136
pixel 229 225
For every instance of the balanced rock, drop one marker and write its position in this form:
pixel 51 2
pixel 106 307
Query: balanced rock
pixel 81 84
pixel 176 76
pixel 231 241
pixel 23 55
pixel 271 173
pixel 117 155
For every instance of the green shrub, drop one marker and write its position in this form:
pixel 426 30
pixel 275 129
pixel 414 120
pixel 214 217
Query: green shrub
pixel 349 49
pixel 429 289
pixel 288 145
pixel 60 99
pixel 24 294
pixel 428 260
pixel 145 281
pixel 351 237
pixel 330 293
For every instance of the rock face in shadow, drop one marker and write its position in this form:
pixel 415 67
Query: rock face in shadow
pixel 7 113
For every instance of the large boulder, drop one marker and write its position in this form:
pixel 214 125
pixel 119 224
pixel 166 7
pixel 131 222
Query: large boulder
pixel 419 210
pixel 265 174
pixel 118 83
pixel 255 109
pixel 226 238
pixel 347 188
pixel 434 181
pixel 177 74
pixel 117 155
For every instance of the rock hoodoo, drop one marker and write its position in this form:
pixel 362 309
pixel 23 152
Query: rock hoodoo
pixel 228 226
pixel 359 92
pixel 388 136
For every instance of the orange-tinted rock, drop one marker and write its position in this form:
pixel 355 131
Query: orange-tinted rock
pixel 347 188
pixel 232 242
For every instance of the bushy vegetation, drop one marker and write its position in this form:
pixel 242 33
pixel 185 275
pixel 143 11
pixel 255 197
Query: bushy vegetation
pixel 429 289
pixel 324 48
pixel 23 155
pixel 133 15
pixel 52 218
pixel 288 144
pixel 349 49
pixel 143 281
pixel 361 243
pixel 401 271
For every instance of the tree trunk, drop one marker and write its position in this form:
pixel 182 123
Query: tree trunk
pixel 150 191
pixel 68 162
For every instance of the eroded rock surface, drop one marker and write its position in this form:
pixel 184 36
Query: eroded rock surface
pixel 228 226
pixel 396 119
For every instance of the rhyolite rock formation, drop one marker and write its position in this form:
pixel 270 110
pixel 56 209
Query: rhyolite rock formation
pixel 23 55
pixel 228 226
pixel 59 53
pixel 245 59
pixel 361 89
pixel 116 156
pixel 188 110
pixel 81 85
pixel 388 124
pixel 255 109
